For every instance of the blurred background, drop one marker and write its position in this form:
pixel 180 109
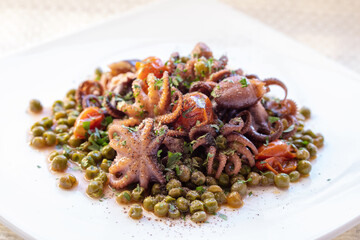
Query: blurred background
pixel 331 27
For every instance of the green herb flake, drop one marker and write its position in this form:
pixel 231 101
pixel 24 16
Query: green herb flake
pixel 289 129
pixel 38 166
pixel 177 170
pixel 159 153
pixel 127 196
pixel 250 194
pixel 86 125
pixel 173 158
pixel 223 216
pixel 273 119
pixel 243 82
pixel 200 189
pixel 123 143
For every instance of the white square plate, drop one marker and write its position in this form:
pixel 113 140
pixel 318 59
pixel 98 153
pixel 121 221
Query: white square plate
pixel 320 206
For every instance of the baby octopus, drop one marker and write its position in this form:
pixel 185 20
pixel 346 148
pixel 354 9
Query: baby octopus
pixel 136 166
pixel 152 99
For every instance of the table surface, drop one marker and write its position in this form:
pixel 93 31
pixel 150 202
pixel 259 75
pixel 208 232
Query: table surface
pixel 328 26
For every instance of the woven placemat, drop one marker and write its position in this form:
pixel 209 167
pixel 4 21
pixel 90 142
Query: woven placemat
pixel 329 26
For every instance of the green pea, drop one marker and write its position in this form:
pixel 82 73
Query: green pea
pixel 298 143
pixel 224 180
pixel 135 211
pixel 86 162
pixel 105 164
pixel 300 126
pixel 62 121
pixel 214 189
pixel 70 105
pixel 199 216
pixel 264 181
pixel 47 122
pixel 173 212
pixel 159 198
pixel 38 142
pixel 156 189
pixel 201 68
pixel 170 175
pixel 319 141
pixel 59 163
pixel 239 187
pixel 62 128
pixel 37 124
pixel 124 197
pixel 184 59
pixel 138 193
pixel 95 189
pixel 302 154
pixel 310 133
pixel 35 106
pixel 196 205
pixel 305 112
pixel 71 93
pixel 61 114
pixel 67 181
pixel 173 183
pixel 182 204
pixel 245 170
pixel 74 142
pixel 50 138
pixel 270 175
pixel 77 156
pixel 38 131
pixel 73 113
pixel 96 156
pixel 312 149
pixel 253 179
pixel 234 200
pixel 169 199
pixel 71 121
pixel 198 178
pixel 307 138
pixel 294 176
pixel 282 180
pixel 108 152
pixel 161 209
pixel 149 203
pixel 176 192
pixel 91 172
pixel 210 181
pixel 52 155
pixel 304 167
pixel 58 106
pixel 236 178
pixel 220 197
pixel 211 205
pixel 297 136
pixel 207 195
pixel 192 195
pixel 184 173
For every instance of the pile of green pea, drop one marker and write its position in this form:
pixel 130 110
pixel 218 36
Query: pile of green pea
pixel 57 130
pixel 187 192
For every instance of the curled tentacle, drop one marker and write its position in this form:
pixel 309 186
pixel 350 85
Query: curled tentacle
pixel 248 120
pixel 210 158
pixel 217 76
pixel 112 110
pixel 275 81
pixel 222 162
pixel 198 131
pixel 252 76
pixel 292 121
pixel 90 101
pixel 171 117
pixel 236 137
pixel 233 167
pixel 207 140
pixel 235 125
pixel 241 149
pixel 284 108
pixel 88 87
pixel 177 133
pixel 259 137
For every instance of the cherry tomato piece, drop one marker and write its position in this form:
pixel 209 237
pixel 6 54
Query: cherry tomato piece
pixel 150 65
pixel 89 118
pixel 197 111
pixel 277 164
pixel 278 148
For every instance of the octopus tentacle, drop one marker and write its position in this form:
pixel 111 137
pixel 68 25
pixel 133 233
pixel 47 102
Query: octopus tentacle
pixel 254 135
pixel 152 90
pixel 236 137
pixel 244 151
pixel 275 81
pixel 205 140
pixel 210 157
pixel 130 122
pixel 291 121
pixel 235 125
pixel 217 76
pixel 112 110
pixel 129 109
pixel 88 87
pixel 171 117
pixel 222 161
pixel 197 131
pixel 236 164
pixel 90 101
pixel 203 87
pixel 165 95
pixel 177 133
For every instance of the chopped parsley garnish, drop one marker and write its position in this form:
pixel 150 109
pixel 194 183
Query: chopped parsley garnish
pixel 223 216
pixel 173 158
pixel 159 153
pixel 200 189
pixel 123 143
pixel 289 129
pixel 273 119
pixel 187 111
pixel 127 196
pixel 243 82
pixel 86 125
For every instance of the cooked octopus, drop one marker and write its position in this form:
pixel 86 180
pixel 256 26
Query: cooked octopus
pixel 136 154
